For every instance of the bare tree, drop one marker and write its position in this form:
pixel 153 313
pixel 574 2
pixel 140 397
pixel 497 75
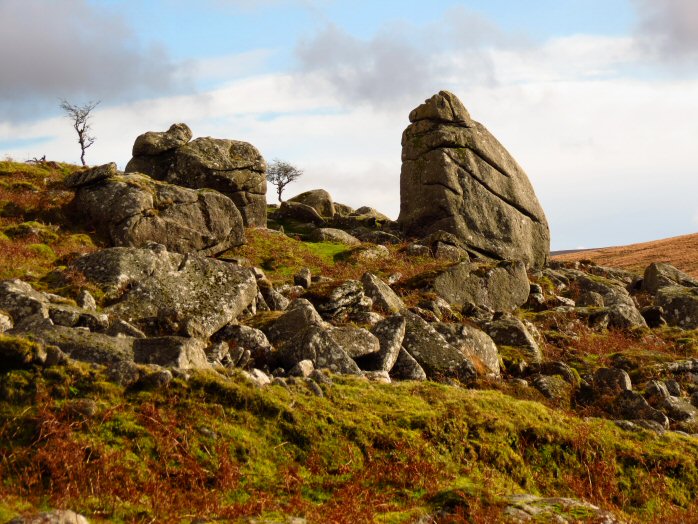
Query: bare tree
pixel 80 116
pixel 281 174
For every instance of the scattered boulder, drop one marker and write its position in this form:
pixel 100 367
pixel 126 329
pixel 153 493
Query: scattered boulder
pixel 631 406
pixel 300 315
pixel 300 212
pixel 328 234
pixel 247 338
pixel 532 508
pixel 499 287
pixel 57 516
pixel 659 275
pixel 316 343
pixel 680 305
pixel 234 168
pixel 6 322
pixel 133 210
pixel 611 381
pixel 83 345
pixel 333 300
pixel 458 178
pixel 510 331
pixel 318 199
pixel 172 352
pixel 475 344
pixel 169 293
pixel 154 143
pixel 356 342
pixel 407 368
pixel 303 278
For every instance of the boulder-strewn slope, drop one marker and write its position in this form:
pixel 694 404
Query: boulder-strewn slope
pixel 333 368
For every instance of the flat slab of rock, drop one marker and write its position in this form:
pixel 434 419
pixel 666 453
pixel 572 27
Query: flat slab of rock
pixel 133 210
pixel 159 291
pixel 84 345
pixel 458 178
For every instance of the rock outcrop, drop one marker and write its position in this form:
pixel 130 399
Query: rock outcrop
pixel 231 167
pixel 458 178
pixel 133 210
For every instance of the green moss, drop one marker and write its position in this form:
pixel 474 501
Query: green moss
pixel 42 251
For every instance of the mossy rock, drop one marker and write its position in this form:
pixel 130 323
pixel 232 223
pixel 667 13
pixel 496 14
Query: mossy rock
pixel 27 229
pixel 19 353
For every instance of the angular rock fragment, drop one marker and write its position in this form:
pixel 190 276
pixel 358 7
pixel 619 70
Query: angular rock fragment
pixel 499 287
pixel 356 342
pixel 436 356
pixel 384 298
pixel 407 368
pixel 390 333
pixel 172 352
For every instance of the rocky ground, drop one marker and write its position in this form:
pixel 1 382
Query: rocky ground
pixel 172 349
pixel 326 369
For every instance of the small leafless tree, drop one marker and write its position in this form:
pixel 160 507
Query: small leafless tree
pixel 80 117
pixel 281 174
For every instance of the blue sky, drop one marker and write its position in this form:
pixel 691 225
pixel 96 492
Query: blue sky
pixel 596 99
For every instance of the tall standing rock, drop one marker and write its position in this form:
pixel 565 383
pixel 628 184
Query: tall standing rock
pixel 458 178
pixel 231 167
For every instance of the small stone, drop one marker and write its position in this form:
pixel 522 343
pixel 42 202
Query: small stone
pixel 304 369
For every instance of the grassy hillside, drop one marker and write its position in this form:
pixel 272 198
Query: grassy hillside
pixel 681 252
pixel 218 448
pixel 361 453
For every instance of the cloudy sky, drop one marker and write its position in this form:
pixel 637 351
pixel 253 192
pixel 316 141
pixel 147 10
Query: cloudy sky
pixel 596 99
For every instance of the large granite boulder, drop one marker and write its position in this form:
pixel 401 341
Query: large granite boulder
pixel 458 178
pixel 133 210
pixel 231 167
pixel 168 293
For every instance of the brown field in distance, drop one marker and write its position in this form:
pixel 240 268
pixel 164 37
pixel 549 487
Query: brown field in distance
pixel 681 252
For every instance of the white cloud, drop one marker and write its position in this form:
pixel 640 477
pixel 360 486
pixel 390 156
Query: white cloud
pixel 668 29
